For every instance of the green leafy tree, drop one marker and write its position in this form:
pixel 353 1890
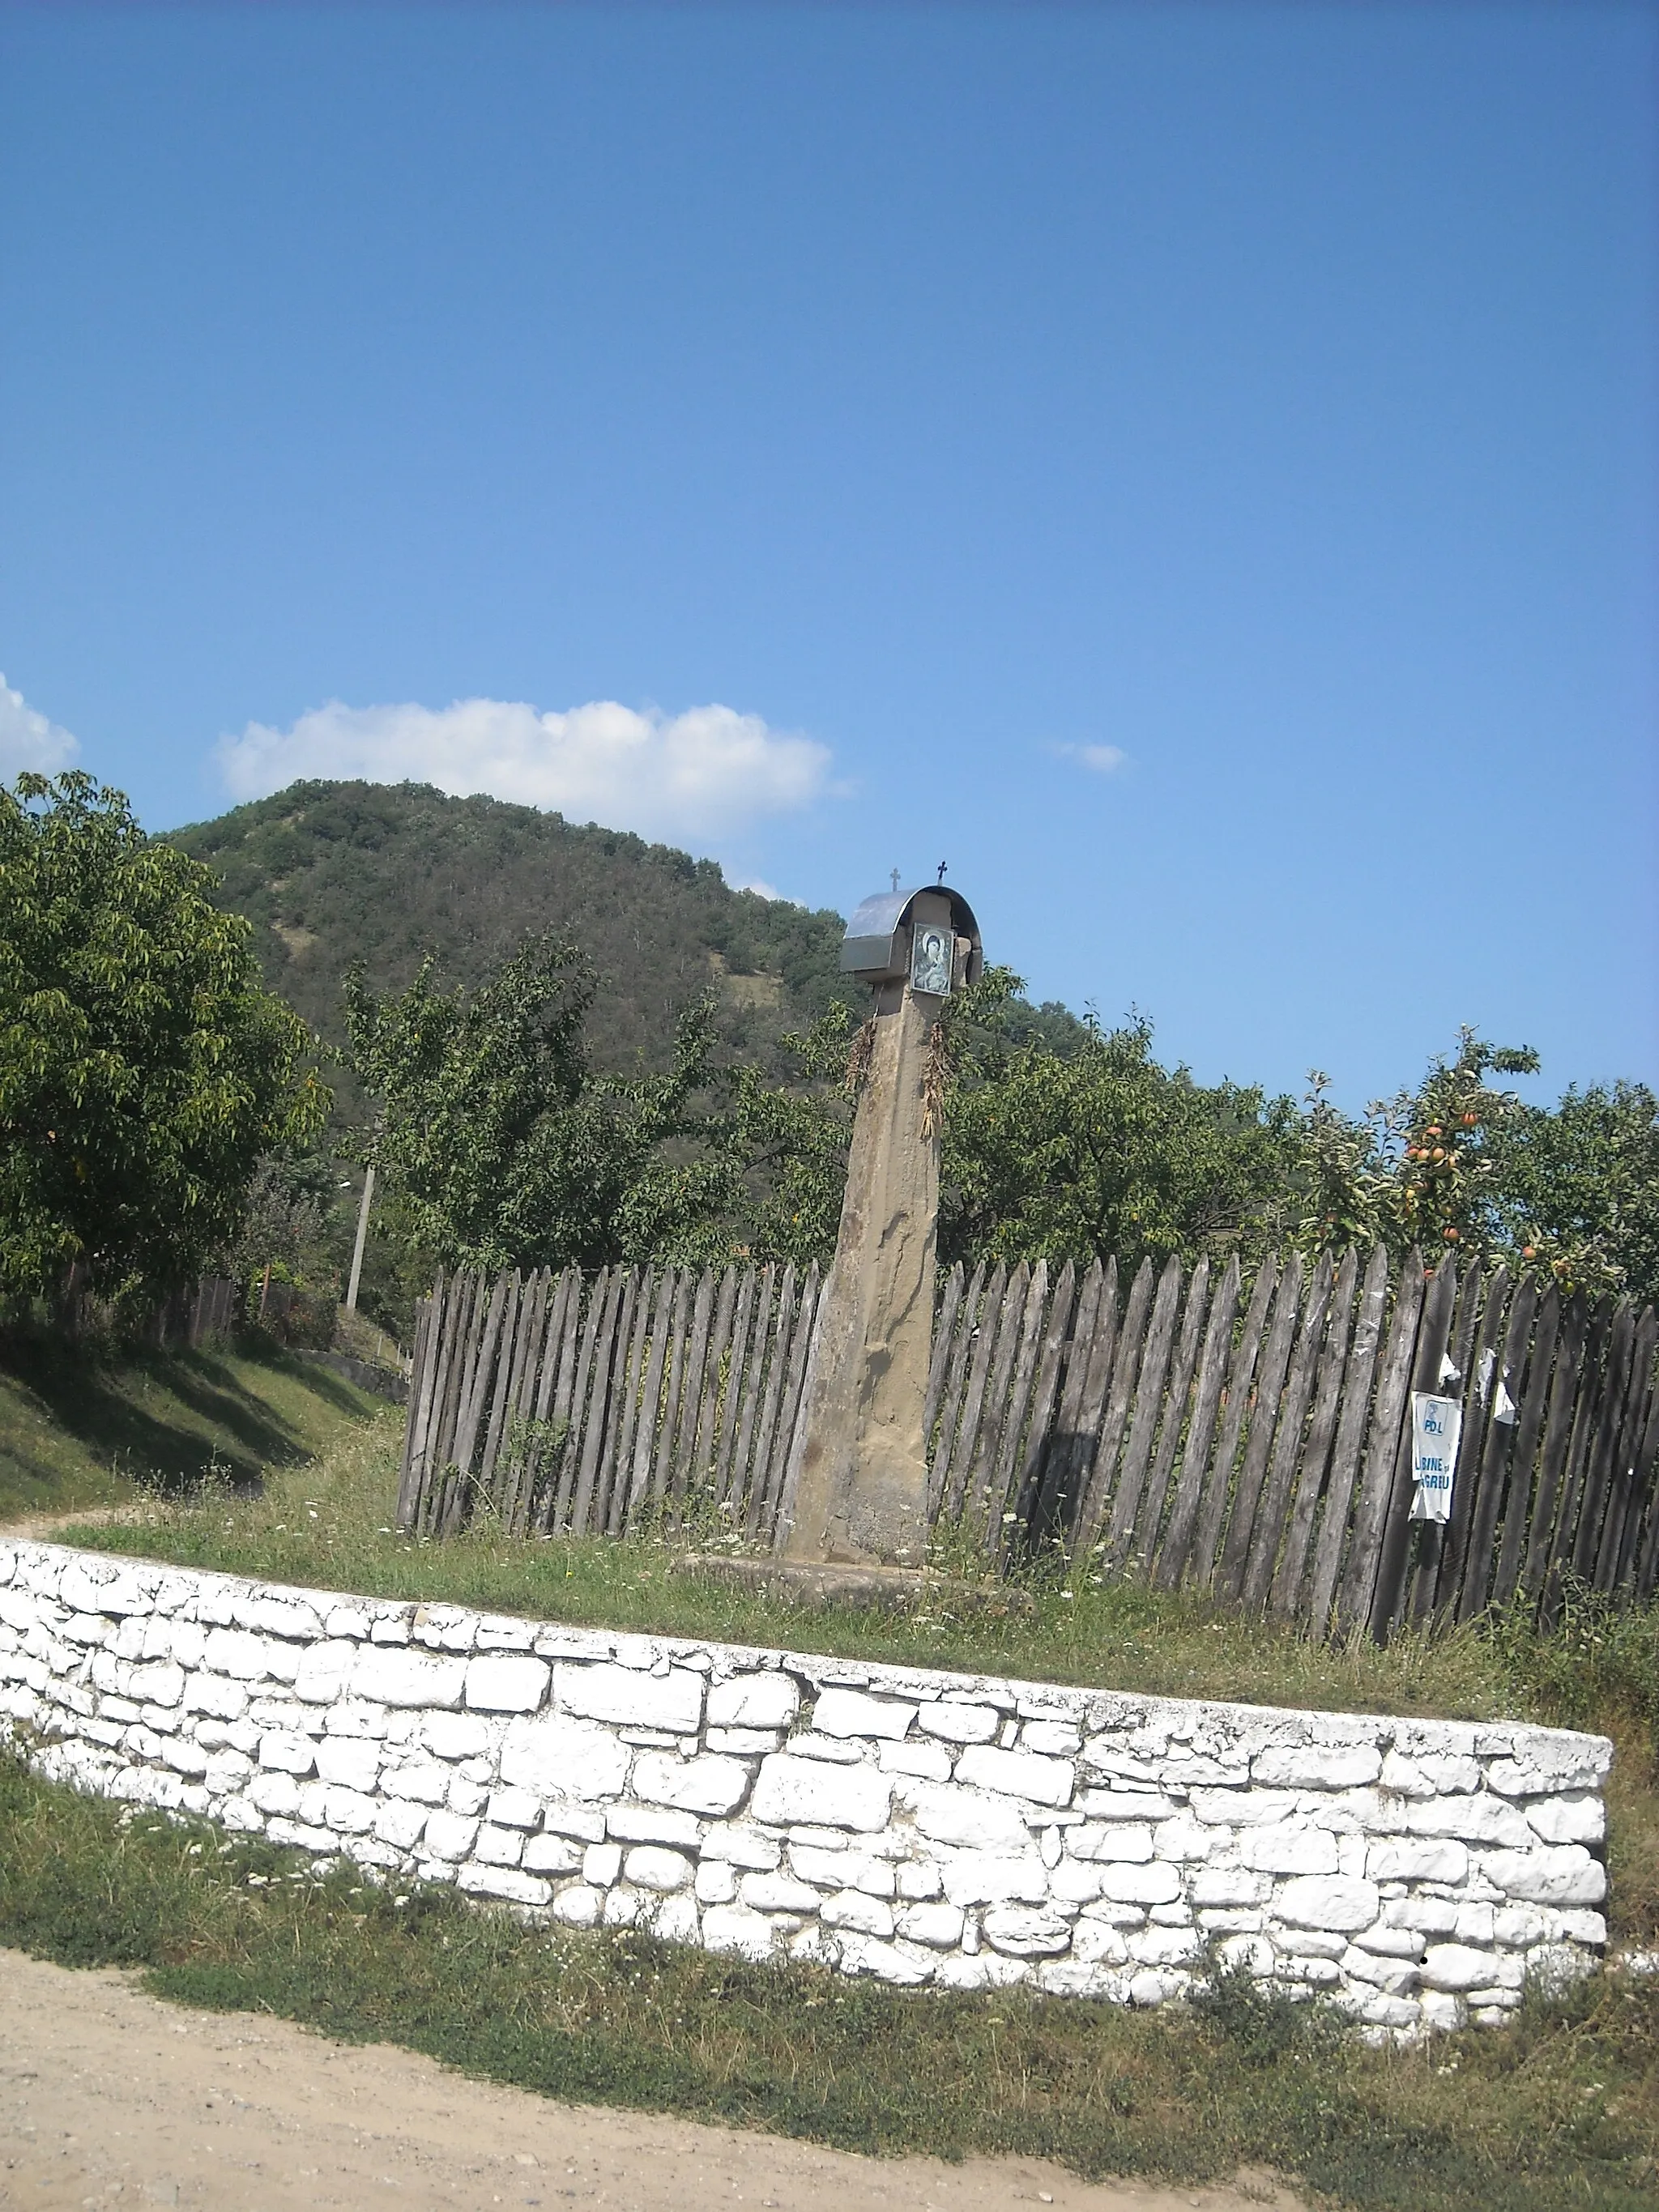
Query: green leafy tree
pixel 787 1143
pixel 1576 1188
pixel 144 1068
pixel 504 1147
pixel 1102 1152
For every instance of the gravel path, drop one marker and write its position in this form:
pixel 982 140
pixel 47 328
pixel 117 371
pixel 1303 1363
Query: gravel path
pixel 109 2098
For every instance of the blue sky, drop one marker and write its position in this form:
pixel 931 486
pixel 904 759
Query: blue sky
pixel 1191 468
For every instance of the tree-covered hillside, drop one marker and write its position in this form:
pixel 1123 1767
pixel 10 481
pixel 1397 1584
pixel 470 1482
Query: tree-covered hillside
pixel 331 874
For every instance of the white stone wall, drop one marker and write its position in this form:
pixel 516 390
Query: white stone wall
pixel 926 1827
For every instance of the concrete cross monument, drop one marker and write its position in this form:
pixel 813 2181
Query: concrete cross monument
pixel 860 1499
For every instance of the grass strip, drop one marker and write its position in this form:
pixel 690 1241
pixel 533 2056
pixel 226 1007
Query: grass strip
pixel 97 1424
pixel 1560 2111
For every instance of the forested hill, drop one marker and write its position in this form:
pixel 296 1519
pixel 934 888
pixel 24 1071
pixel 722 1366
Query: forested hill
pixel 332 873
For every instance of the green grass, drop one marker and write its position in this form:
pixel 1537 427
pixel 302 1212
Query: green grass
pixel 96 1424
pixel 1560 2111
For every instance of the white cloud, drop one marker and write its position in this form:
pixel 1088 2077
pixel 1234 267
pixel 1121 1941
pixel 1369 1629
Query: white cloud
pixel 699 774
pixel 1104 760
pixel 27 739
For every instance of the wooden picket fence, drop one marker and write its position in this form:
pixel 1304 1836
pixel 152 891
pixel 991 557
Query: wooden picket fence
pixel 1249 1437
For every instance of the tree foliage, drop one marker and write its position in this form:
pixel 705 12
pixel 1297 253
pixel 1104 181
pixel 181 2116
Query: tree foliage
pixel 504 1145
pixel 1099 1151
pixel 144 1068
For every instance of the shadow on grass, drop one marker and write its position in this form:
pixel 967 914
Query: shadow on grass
pixel 167 1419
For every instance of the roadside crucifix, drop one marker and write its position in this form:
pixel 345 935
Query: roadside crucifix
pixel 861 1499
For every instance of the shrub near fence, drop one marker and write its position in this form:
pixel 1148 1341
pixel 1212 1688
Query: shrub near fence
pixel 1247 1436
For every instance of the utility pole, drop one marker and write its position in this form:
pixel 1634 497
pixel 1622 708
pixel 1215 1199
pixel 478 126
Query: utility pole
pixel 362 1238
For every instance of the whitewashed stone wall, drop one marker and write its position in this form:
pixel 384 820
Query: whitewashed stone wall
pixel 922 1826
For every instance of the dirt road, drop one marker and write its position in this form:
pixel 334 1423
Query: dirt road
pixel 110 2099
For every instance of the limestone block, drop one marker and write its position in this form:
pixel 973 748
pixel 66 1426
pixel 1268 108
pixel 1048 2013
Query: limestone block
pixel 352 1717
pixel 248 1658
pixel 515 1808
pixel 1398 1858
pixel 275 1792
pixel 400 1823
pixel 709 1785
pixel 422 1780
pixel 1457 1968
pixel 851 1713
pixel 579 1905
pixel 457 1736
pixel 737 1844
pixel 976 1819
pixel 1096 1943
pixel 161 1682
pixel 396 1675
pixel 1163 1947
pixel 743 1743
pixel 293 1754
pixel 628 1696
pixel 601 1864
pixel 350 1811
pixel 1481 1819
pixel 632 1823
pixel 1140 1885
pixel 906 1965
pixel 716 1882
pixel 937 1925
pixel 1551 1765
pixel 270 1614
pixel 1579 1819
pixel 448 1836
pixel 1018 1774
pixel 1391 1942
pixel 1562 1874
pixel 797 1791
pixel 1582 1927
pixel 324 1671
pixel 554 1756
pixel 1052 1738
pixel 919 1882
pixel 505 1882
pixel 499 1846
pixel 551 1855
pixel 994 1878
pixel 777 1892
pixel 1229 1886
pixel 1290 1849
pixel 673 1919
pixel 737 1928
pixel 1073 1882
pixel 649 1866
pixel 185 1755
pixel 1244 1808
pixel 1026 1932
pixel 1317 1765
pixel 1122 1802
pixel 1441 2011
pixel 1337 1902
pixel 768 1700
pixel 1100 1840
pixel 834 1750
pixel 463 1795
pixel 350 1761
pixel 957 1723
pixel 853 1908
pixel 506 1684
